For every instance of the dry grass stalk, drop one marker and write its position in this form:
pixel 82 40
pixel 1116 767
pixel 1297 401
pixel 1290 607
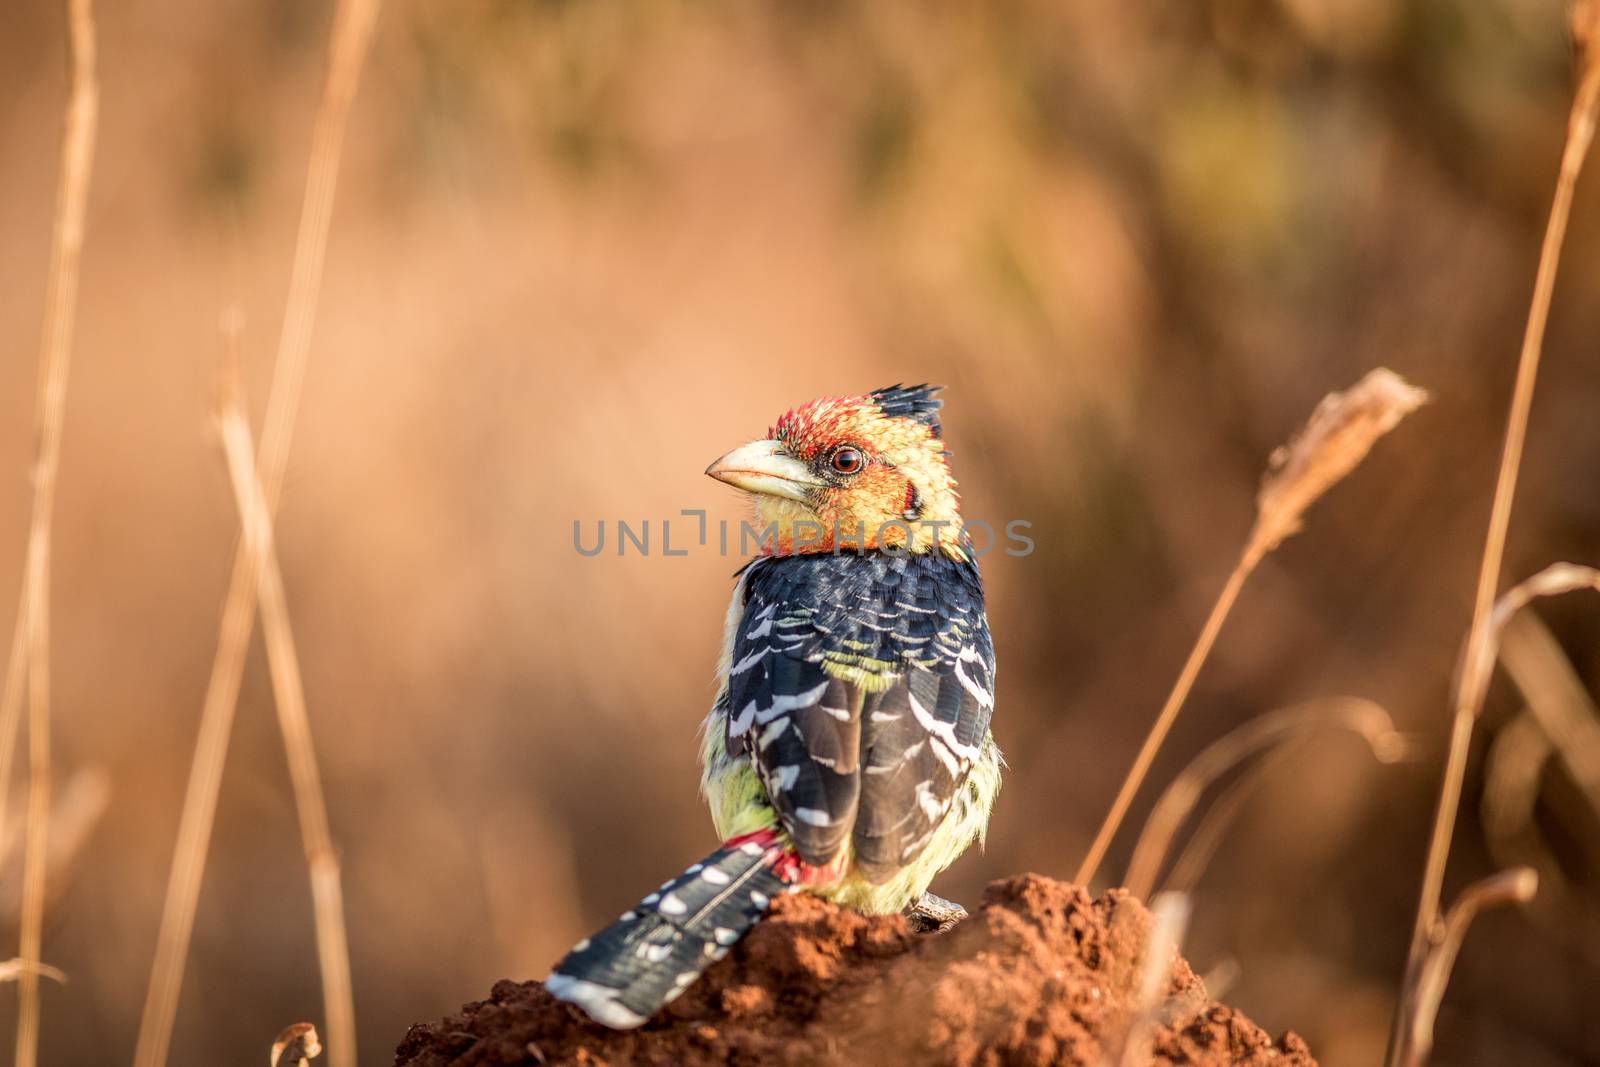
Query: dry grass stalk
pixel 1473 677
pixel 11 703
pixel 1169 918
pixel 1340 432
pixel 1511 770
pixel 1557 579
pixel 1472 686
pixel 350 36
pixel 1220 814
pixel 296 1046
pixel 1561 721
pixel 75 813
pixel 1349 713
pixel 61 298
pixel 13 969
pixel 327 894
pixel 1337 437
pixel 1222 977
pixel 1515 886
pixel 1513 774
pixel 1557 699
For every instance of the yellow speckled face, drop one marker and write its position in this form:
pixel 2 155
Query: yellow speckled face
pixel 844 472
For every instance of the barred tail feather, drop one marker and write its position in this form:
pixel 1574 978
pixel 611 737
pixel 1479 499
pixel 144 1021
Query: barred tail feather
pixel 628 971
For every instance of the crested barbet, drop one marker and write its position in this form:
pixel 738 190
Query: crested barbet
pixel 848 752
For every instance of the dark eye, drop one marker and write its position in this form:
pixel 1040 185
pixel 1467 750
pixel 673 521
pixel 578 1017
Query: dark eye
pixel 848 460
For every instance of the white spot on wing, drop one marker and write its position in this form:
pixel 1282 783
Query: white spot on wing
pixel 740 723
pixel 984 698
pixel 786 703
pixel 943 755
pixel 814 816
pixel 895 764
pixel 755 656
pixel 773 731
pixel 671 904
pixel 764 625
pixel 931 805
pixel 715 875
pixel 944 731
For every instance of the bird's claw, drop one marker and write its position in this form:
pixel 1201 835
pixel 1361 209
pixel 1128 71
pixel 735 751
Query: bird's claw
pixel 933 914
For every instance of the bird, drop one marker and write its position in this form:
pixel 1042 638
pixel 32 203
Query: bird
pixel 848 752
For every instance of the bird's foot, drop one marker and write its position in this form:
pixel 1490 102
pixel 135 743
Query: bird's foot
pixel 933 914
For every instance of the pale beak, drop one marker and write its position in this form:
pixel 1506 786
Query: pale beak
pixel 762 467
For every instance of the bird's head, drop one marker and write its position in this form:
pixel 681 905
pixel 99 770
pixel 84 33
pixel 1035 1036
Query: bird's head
pixel 852 473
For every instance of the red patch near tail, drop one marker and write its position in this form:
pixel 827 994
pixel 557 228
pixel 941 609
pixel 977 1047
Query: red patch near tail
pixel 787 864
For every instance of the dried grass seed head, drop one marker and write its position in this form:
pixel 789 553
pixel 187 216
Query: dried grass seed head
pixel 1336 438
pixel 297 1044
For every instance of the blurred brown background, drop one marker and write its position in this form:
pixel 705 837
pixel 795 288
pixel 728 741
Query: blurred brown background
pixel 581 248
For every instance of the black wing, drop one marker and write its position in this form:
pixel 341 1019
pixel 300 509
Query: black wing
pixel 800 725
pixel 861 688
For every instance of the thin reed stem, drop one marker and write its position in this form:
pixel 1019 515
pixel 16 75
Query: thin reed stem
pixel 1514 886
pixel 1363 717
pixel 327 895
pixel 61 298
pixel 1473 677
pixel 1169 918
pixel 1335 439
pixel 1196 854
pixel 350 36
pixel 1169 713
pixel 11 702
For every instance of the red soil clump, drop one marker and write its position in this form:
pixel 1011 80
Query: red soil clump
pixel 1040 975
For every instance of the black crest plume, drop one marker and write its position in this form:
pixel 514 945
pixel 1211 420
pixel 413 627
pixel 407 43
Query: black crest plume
pixel 910 402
